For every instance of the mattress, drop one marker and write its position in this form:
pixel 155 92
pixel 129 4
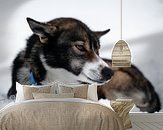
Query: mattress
pixel 59 114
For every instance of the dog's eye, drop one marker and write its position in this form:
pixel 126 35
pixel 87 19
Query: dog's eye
pixel 80 48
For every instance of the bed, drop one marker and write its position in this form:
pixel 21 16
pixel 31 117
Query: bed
pixel 58 106
pixel 59 114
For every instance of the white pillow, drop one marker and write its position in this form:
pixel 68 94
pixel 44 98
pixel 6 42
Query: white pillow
pixel 19 95
pixel 20 90
pixel 92 92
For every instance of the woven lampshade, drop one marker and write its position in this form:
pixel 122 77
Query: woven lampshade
pixel 121 55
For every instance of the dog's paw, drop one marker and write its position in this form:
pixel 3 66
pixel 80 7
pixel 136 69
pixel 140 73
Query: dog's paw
pixel 11 94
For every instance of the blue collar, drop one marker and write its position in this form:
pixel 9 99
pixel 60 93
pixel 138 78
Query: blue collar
pixel 32 79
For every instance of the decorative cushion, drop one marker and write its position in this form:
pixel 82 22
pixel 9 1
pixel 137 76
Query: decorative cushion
pixel 28 90
pixel 79 92
pixel 50 95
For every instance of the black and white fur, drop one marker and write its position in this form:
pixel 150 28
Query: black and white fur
pixel 63 49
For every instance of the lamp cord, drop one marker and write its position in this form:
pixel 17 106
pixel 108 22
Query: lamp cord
pixel 121 19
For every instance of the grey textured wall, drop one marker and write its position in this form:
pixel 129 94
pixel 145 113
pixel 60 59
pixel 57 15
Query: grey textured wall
pixel 142 29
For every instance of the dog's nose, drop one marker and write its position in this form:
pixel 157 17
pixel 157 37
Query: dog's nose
pixel 106 73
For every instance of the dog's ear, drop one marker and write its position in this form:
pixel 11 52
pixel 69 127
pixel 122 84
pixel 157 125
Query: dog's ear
pixel 41 29
pixel 99 34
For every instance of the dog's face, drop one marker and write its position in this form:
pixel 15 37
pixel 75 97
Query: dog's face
pixel 72 49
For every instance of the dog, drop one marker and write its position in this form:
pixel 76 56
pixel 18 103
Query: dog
pixel 131 83
pixel 65 49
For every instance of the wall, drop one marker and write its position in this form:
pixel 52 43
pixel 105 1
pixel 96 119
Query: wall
pixel 142 29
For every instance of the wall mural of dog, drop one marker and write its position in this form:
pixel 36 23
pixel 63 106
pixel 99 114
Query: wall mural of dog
pixel 65 49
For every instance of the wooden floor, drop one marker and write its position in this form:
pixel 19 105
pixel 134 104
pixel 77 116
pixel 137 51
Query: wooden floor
pixel 146 121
